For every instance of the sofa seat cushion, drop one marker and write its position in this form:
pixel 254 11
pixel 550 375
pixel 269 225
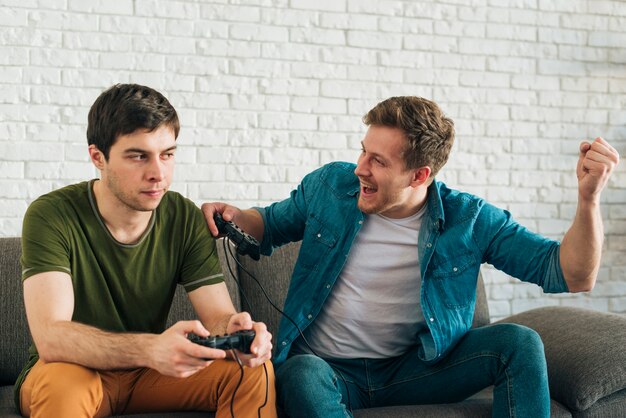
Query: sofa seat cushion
pixel 584 350
pixel 612 406
pixel 475 408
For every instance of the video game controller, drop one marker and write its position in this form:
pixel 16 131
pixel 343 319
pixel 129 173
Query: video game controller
pixel 240 340
pixel 246 244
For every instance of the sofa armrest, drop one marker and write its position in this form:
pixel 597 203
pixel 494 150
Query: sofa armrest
pixel 585 352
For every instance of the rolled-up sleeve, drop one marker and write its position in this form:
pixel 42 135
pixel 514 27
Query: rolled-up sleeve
pixel 519 252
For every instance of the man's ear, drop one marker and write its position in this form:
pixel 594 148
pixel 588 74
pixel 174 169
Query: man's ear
pixel 97 157
pixel 420 176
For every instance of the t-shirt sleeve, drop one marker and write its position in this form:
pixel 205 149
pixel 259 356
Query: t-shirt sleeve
pixel 44 242
pixel 201 264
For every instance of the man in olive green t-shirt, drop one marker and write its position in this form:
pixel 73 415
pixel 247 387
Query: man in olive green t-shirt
pixel 101 262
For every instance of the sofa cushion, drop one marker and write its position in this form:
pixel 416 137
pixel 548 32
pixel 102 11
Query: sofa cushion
pixel 274 274
pixel 584 350
pixel 612 406
pixel 13 326
pixel 475 408
pixel 471 408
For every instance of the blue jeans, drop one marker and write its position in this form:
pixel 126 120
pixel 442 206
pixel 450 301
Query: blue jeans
pixel 508 356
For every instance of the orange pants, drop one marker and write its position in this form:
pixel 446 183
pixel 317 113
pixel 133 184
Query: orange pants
pixel 70 390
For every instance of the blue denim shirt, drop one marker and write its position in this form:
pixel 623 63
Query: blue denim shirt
pixel 459 232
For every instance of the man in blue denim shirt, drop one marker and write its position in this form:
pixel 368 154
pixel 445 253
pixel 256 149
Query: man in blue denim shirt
pixel 384 288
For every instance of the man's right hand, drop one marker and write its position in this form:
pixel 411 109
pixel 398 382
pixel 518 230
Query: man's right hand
pixel 248 220
pixel 228 212
pixel 173 354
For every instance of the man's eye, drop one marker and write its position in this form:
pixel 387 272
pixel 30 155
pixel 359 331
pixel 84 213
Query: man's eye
pixel 168 155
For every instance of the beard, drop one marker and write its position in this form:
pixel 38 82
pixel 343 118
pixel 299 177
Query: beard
pixel 370 207
pixel 384 202
pixel 125 198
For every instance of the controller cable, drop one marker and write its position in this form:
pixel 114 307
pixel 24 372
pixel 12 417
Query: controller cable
pixel 232 399
pixel 234 353
pixel 232 274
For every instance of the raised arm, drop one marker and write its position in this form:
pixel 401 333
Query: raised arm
pixel 49 302
pixel 581 247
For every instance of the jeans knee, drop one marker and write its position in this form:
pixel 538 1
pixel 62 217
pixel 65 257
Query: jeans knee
pixel 524 343
pixel 307 387
pixel 522 389
pixel 305 369
pixel 522 337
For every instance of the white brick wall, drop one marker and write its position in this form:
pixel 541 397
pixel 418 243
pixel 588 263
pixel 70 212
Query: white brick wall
pixel 269 90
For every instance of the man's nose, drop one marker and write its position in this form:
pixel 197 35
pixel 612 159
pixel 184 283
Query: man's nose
pixel 362 168
pixel 155 171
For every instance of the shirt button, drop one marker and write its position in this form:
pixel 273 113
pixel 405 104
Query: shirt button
pixel 455 269
pixel 309 316
pixel 431 320
pixel 327 286
pixel 429 245
pixel 284 343
pixel 360 222
pixel 319 235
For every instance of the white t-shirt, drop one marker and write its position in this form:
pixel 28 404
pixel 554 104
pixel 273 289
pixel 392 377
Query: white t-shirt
pixel 374 308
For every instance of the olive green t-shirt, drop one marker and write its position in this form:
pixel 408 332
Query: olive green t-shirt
pixel 118 287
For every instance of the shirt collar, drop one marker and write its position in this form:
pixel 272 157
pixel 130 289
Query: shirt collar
pixel 435 205
pixel 354 190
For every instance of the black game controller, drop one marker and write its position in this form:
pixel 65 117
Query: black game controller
pixel 239 340
pixel 246 244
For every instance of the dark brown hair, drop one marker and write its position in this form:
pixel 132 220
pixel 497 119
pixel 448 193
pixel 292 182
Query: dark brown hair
pixel 124 108
pixel 429 133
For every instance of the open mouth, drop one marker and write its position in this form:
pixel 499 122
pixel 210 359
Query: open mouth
pixel 368 189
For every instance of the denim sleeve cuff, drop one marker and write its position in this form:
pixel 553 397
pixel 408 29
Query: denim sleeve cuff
pixel 266 243
pixel 555 281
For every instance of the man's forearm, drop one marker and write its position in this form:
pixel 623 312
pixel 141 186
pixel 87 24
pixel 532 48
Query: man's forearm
pixel 218 326
pixel 73 342
pixel 581 248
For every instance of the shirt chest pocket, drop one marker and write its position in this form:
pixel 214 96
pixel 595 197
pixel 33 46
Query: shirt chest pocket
pixel 318 239
pixel 454 277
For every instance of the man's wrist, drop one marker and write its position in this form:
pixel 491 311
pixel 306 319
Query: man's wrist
pixel 589 202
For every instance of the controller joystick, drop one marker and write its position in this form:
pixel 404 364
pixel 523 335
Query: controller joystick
pixel 246 244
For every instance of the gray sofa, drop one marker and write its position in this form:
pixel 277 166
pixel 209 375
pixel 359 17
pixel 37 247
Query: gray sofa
pixel 586 350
